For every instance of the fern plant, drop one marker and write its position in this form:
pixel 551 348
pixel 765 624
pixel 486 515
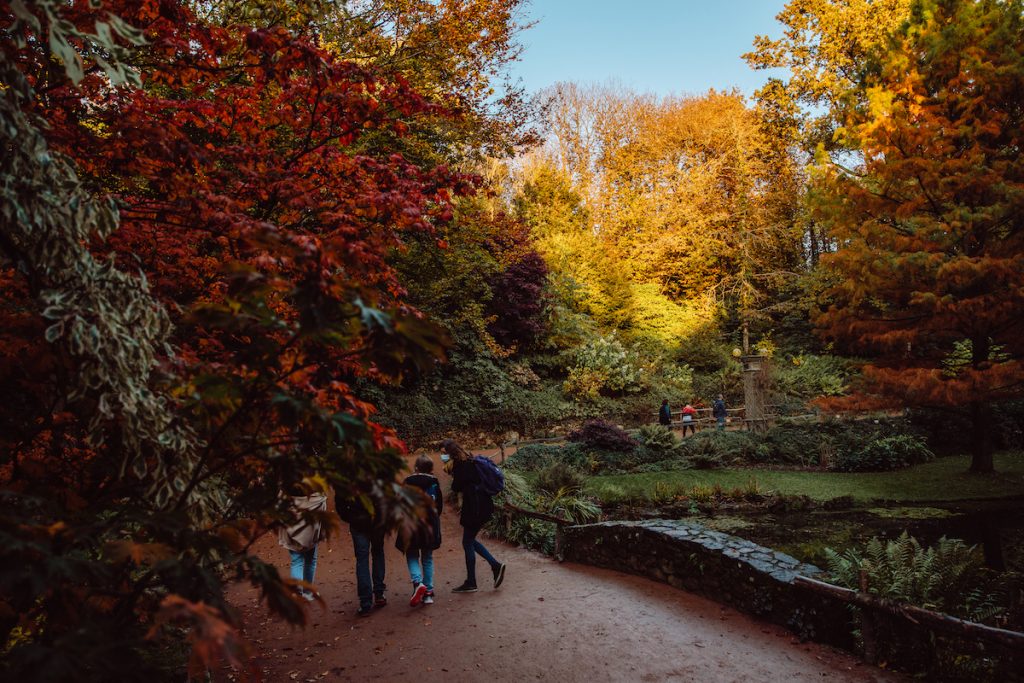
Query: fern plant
pixel 562 498
pixel 948 577
pixel 658 438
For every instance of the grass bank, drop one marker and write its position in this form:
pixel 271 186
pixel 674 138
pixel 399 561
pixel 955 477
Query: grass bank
pixel 944 479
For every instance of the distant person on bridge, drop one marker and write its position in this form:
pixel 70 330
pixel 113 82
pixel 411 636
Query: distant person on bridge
pixel 665 414
pixel 719 411
pixel 477 508
pixel 689 417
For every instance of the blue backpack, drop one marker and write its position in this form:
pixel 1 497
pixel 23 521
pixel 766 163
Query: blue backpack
pixel 492 479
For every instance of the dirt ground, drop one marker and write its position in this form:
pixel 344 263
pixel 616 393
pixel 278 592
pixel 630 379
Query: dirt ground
pixel 548 621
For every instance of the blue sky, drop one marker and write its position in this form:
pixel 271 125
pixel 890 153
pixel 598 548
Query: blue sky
pixel 661 46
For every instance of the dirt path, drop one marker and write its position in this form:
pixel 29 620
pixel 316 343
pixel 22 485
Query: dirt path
pixel 548 621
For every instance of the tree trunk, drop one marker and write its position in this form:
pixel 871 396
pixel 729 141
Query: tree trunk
pixel 981 412
pixel 981 437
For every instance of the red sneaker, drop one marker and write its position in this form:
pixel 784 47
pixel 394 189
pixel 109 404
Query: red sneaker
pixel 418 595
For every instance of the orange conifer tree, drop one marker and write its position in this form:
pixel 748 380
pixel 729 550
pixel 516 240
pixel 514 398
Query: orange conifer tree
pixel 930 269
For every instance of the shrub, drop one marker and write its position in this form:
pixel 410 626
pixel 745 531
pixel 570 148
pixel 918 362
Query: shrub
pixel 885 454
pixel 949 577
pixel 566 502
pixel 603 364
pixel 603 435
pixel 792 444
pixel 534 457
pixel 808 376
pixel 711 448
pixel 664 492
pixel 559 477
pixel 658 437
pixel 949 431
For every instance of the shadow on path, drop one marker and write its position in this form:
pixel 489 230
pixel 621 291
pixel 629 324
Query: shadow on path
pixel 548 621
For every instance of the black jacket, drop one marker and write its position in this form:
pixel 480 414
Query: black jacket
pixel 355 513
pixel 427 536
pixel 477 506
pixel 718 409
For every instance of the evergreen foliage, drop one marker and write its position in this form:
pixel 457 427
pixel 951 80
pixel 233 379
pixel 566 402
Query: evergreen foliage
pixel 927 281
pixel 885 454
pixel 948 577
pixel 603 435
pixel 658 437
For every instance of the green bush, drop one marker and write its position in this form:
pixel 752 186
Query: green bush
pixel 808 376
pixel 658 437
pixel 949 430
pixel 559 477
pixel 948 577
pixel 885 454
pixel 601 365
pixel 603 435
pixel 791 443
pixel 713 448
pixel 534 457
pixel 565 502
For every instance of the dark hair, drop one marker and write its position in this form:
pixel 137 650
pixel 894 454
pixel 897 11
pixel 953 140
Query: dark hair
pixel 424 463
pixel 665 402
pixel 451 447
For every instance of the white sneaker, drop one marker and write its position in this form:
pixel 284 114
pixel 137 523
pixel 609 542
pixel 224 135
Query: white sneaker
pixel 428 599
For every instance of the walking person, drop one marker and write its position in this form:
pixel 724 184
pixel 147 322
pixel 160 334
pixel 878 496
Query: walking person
pixel 419 547
pixel 477 508
pixel 719 411
pixel 689 419
pixel 368 542
pixel 665 414
pixel 301 538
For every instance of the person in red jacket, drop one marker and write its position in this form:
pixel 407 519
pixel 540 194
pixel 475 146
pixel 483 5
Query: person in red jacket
pixel 689 419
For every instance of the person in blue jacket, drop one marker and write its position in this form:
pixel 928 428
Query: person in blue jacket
pixel 719 411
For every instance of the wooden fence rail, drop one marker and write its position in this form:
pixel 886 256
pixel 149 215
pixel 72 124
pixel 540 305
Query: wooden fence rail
pixel 544 517
pixel 974 632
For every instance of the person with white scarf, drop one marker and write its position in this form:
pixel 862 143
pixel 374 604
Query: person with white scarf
pixel 302 537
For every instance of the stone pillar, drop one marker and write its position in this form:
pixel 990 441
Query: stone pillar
pixel 754 399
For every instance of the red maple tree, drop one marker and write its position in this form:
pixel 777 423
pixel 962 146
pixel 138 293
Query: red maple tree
pixel 256 216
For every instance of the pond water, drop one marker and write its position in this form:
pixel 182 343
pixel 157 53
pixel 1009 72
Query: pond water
pixel 998 527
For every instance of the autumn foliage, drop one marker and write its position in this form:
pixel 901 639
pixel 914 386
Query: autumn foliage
pixel 257 225
pixel 930 271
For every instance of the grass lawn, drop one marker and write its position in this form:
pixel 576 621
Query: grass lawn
pixel 943 479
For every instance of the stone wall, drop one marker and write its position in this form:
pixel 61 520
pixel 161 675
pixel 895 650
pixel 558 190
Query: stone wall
pixel 760 581
pixel 728 569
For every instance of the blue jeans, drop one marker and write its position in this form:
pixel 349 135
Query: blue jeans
pixel 425 575
pixel 303 564
pixel 721 422
pixel 472 547
pixel 369 584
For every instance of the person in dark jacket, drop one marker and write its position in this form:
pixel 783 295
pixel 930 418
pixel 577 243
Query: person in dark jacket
pixel 477 508
pixel 665 414
pixel 719 410
pixel 368 542
pixel 419 547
